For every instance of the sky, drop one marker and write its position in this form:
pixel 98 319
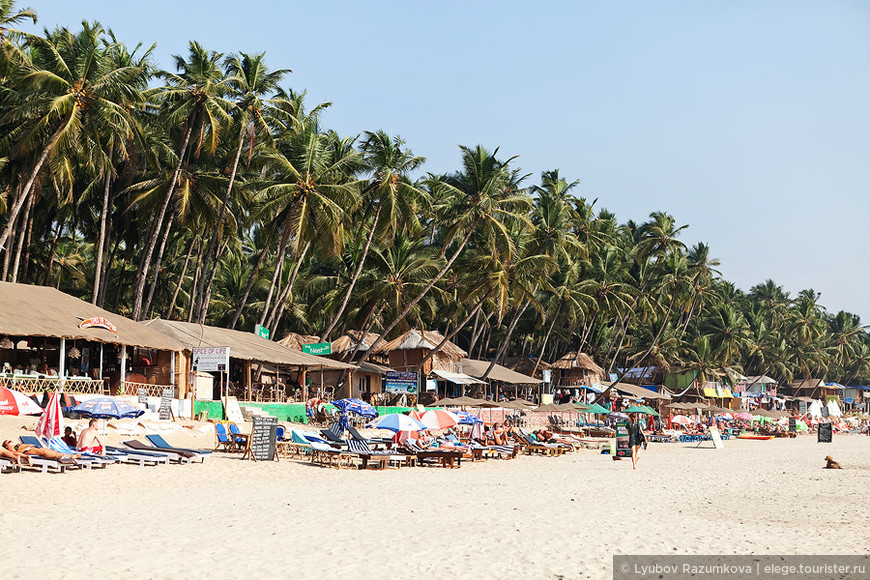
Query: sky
pixel 748 121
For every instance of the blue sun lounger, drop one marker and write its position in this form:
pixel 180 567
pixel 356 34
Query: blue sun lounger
pixel 161 443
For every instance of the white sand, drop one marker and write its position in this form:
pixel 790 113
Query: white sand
pixel 533 517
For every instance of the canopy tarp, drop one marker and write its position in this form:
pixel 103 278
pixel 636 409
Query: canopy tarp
pixel 477 368
pixel 457 378
pixel 636 391
pixel 243 345
pixel 27 310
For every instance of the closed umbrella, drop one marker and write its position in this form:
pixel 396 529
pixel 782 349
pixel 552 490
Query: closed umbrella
pixel 51 422
pixel 13 402
pixel 107 408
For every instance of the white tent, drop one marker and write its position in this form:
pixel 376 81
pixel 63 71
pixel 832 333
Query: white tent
pixel 815 410
pixel 834 409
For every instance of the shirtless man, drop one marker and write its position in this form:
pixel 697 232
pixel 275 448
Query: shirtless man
pixel 26 449
pixel 88 440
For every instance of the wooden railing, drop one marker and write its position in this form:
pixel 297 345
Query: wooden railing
pixel 130 388
pixel 71 385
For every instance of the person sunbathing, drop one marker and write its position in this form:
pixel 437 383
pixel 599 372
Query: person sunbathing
pixel 27 449
pixel 88 440
pixel 14 456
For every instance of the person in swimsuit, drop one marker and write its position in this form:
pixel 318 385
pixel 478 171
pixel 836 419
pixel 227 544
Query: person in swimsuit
pixel 26 449
pixel 88 440
pixel 69 438
pixel 14 456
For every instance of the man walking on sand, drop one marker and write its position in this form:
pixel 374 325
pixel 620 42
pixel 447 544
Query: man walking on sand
pixel 88 440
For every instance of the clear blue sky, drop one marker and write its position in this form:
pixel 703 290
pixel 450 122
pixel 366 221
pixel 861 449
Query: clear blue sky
pixel 750 120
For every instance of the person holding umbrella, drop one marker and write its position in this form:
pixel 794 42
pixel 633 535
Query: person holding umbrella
pixel 636 437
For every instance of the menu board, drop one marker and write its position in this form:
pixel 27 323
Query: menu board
pixel 622 447
pixel 166 403
pixel 143 395
pixel 826 432
pixel 717 438
pixel 263 438
pixel 792 425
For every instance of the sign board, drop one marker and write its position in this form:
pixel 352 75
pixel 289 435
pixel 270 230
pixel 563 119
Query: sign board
pixel 143 395
pixel 825 411
pixel 802 405
pixel 613 377
pixel 232 411
pixel 826 432
pixel 546 398
pixel 98 322
pixel 401 382
pixel 261 444
pixel 547 376
pixel 262 331
pixel 792 425
pixel 318 348
pixel 717 439
pixel 211 359
pixel 165 403
pixel 431 385
pixel 622 447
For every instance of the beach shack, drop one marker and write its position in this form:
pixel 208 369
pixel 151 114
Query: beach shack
pixel 51 340
pixel 260 370
pixel 407 351
pixel 815 389
pixel 576 370
pixel 504 383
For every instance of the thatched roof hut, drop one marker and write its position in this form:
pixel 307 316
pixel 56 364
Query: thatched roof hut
pixel 295 341
pixel 354 339
pixel 407 351
pixel 579 360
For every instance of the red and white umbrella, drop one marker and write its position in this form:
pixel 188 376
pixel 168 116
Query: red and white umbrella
pixel 681 420
pixel 14 403
pixel 438 419
pixel 51 422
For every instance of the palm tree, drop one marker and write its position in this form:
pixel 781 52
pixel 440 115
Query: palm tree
pixel 192 100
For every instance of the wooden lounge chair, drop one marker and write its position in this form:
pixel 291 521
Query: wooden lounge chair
pixel 360 448
pixel 444 457
pixel 530 447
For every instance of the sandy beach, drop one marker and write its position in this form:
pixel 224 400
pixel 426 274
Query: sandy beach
pixel 533 517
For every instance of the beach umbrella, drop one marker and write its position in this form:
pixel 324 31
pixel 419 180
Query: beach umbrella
pixel 107 408
pixel 438 419
pixel 681 420
pixel 51 422
pixel 467 418
pixel 743 416
pixel 650 410
pixel 13 402
pixel 356 406
pixel 642 409
pixel 597 409
pixel 397 422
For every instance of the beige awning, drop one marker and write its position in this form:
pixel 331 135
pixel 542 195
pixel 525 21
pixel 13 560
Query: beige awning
pixel 476 368
pixel 636 391
pixel 27 310
pixel 243 345
pixel 457 378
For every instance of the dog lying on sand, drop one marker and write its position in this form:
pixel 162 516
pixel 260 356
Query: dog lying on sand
pixel 831 463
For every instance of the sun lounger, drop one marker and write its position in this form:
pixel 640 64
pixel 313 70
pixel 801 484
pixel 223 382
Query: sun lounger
pixel 371 440
pixel 319 450
pixel 44 463
pixel 88 460
pixel 7 464
pixel 176 454
pixel 444 457
pixel 333 437
pixel 361 448
pixel 143 458
pixel 530 446
pixel 161 443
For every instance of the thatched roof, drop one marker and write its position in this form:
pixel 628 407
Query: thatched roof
pixel 425 339
pixel 295 341
pixel 27 310
pixel 243 345
pixel 525 365
pixel 353 338
pixel 476 368
pixel 579 360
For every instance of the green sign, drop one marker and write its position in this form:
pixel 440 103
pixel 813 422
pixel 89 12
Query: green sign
pixel 262 331
pixel 318 348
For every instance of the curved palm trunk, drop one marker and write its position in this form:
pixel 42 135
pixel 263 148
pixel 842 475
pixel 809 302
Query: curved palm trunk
pixel 250 284
pixel 281 303
pixel 157 263
pixel 207 298
pixel 158 223
pixel 98 269
pixel 547 337
pixel 212 243
pixel 171 308
pixel 506 341
pixel 279 266
pixel 419 297
pixel 455 331
pixel 22 238
pixel 353 280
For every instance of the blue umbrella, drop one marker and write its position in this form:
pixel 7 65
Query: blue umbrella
pixel 107 408
pixel 397 422
pixel 356 406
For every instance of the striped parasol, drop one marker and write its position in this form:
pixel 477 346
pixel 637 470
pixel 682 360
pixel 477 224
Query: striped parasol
pixel 13 402
pixel 51 422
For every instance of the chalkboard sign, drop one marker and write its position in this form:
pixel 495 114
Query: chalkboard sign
pixel 826 432
pixel 261 445
pixel 166 404
pixel 825 411
pixel 143 395
pixel 792 425
pixel 622 447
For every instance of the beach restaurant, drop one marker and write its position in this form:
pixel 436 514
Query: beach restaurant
pixel 503 380
pixel 51 340
pixel 259 370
